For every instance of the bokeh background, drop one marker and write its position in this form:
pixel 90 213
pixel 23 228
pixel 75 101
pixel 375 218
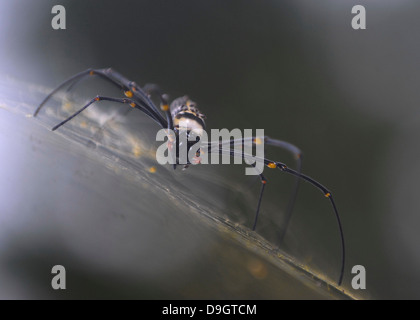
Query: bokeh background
pixel 347 98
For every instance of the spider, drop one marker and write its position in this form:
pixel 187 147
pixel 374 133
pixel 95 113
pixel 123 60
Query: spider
pixel 183 109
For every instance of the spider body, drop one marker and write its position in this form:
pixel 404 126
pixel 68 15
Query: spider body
pixel 183 110
pixel 184 114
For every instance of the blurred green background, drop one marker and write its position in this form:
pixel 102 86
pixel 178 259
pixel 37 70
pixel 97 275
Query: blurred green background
pixel 347 98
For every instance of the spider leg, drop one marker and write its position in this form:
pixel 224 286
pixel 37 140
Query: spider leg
pixel 235 142
pixel 297 153
pixel 263 183
pixel 152 88
pixel 132 103
pixel 61 85
pixel 130 88
pixel 91 72
pixel 327 194
pixel 275 164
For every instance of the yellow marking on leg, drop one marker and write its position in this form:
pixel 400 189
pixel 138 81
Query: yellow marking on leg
pixel 257 141
pixel 272 165
pixel 128 94
pixel 132 104
pixel 328 194
pixel 164 107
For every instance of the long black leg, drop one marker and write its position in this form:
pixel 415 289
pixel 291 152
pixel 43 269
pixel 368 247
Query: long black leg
pixel 273 164
pixel 132 103
pixel 61 85
pixel 263 183
pixel 131 90
pixel 297 153
pixel 298 156
pixel 152 88
pixel 164 105
pixel 328 194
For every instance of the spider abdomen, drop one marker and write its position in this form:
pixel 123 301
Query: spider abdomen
pixel 185 114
